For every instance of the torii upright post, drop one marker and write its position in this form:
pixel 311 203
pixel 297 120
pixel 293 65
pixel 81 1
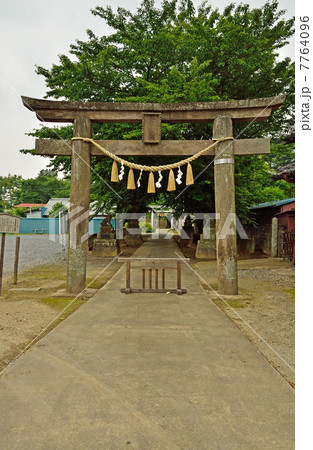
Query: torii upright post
pixel 225 209
pixel 79 208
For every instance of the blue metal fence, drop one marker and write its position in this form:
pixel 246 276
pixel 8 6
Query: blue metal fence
pixel 37 225
pixel 51 225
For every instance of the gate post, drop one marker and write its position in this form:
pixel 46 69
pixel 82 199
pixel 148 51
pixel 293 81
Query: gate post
pixel 274 246
pixel 224 181
pixel 79 207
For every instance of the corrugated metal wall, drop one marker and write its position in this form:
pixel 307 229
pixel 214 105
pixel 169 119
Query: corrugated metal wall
pixel 51 225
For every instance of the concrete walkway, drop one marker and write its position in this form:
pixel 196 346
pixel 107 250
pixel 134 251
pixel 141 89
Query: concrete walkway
pixel 145 371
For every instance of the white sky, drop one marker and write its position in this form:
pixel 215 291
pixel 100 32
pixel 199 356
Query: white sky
pixel 35 32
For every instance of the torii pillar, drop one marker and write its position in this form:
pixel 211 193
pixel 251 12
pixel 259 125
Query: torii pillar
pixel 225 209
pixel 79 207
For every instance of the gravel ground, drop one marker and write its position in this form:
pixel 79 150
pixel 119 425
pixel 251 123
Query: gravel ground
pixel 34 250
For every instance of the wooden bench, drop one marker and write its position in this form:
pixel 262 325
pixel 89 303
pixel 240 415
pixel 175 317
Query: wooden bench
pixel 160 262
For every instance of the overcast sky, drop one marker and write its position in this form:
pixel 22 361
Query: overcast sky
pixel 35 32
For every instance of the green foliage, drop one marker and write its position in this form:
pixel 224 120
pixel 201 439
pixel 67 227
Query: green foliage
pixel 178 54
pixel 20 212
pixel 10 191
pixel 253 183
pixel 280 155
pixel 14 189
pixel 42 188
pixel 56 209
pixel 146 227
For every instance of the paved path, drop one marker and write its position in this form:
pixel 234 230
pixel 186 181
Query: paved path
pixel 145 371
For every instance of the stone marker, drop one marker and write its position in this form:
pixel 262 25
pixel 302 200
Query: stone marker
pixel 105 244
pixel 206 246
pixel 274 252
pixel 133 233
pixel 8 224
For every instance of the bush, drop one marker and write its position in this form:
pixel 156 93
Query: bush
pixel 146 227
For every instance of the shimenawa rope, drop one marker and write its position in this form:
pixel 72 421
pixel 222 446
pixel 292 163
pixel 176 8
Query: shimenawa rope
pixel 152 168
pixel 151 187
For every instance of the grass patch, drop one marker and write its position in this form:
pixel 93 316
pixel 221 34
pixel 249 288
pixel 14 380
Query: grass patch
pixel 98 281
pixel 235 304
pixel 209 288
pixel 51 272
pixel 292 292
pixel 60 303
pixel 97 284
pixel 45 276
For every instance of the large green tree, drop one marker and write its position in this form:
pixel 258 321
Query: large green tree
pixel 10 187
pixel 175 54
pixel 14 189
pixel 43 187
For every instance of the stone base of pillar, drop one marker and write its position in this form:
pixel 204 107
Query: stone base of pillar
pixel 133 239
pixel 191 243
pixel 105 236
pixel 76 269
pixel 104 248
pixel 121 243
pixel 187 240
pixel 247 245
pixel 206 249
pixel 163 223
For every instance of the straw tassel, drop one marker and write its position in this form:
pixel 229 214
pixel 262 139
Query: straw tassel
pixel 114 173
pixel 189 175
pixel 171 181
pixel 151 185
pixel 131 180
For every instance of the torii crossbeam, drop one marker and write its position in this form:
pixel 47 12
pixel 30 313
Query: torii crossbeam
pixel 222 114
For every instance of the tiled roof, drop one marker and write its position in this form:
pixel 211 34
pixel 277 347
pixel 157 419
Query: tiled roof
pixel 29 205
pixel 273 203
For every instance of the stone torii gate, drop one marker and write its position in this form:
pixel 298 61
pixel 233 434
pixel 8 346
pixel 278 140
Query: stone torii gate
pixel 222 114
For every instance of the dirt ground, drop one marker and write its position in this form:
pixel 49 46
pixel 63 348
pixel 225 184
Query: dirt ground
pixel 264 310
pixel 29 308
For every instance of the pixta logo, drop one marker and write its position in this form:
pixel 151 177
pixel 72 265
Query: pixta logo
pixel 231 225
pixel 64 224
